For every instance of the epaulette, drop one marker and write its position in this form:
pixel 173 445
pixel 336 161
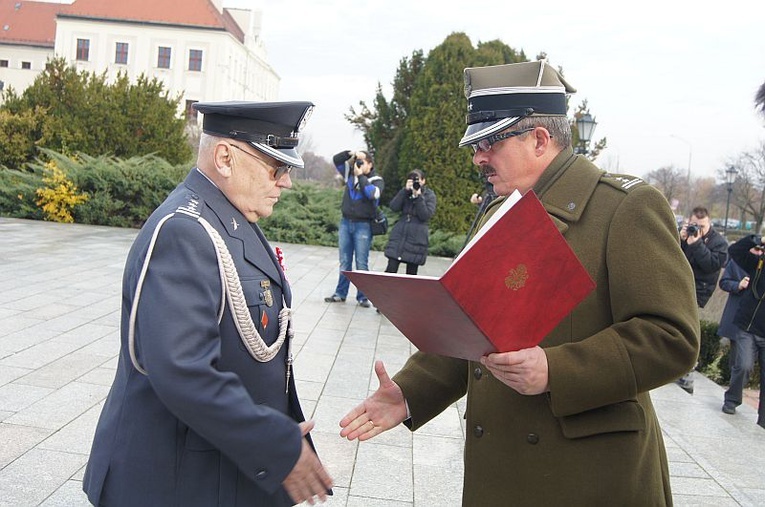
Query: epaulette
pixel 191 207
pixel 623 182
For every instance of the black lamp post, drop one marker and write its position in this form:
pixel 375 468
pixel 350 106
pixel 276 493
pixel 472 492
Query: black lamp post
pixel 730 177
pixel 585 125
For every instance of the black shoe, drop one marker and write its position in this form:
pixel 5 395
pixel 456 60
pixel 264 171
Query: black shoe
pixel 688 388
pixel 365 303
pixel 334 298
pixel 729 408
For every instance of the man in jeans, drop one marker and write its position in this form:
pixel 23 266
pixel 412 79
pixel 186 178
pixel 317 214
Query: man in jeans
pixel 360 198
pixel 750 319
pixel 706 251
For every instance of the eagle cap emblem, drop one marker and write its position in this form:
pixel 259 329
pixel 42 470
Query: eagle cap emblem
pixel 516 278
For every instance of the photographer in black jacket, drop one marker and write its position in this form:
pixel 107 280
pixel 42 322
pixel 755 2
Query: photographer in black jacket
pixel 707 252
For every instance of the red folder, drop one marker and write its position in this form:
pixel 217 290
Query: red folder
pixel 506 291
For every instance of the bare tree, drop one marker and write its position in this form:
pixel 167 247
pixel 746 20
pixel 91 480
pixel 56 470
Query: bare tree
pixel 759 99
pixel 749 188
pixel 669 180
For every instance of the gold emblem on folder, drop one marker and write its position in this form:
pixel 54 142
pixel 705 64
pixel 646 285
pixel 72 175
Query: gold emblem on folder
pixel 517 277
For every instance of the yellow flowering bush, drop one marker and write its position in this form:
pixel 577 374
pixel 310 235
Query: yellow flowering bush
pixel 59 195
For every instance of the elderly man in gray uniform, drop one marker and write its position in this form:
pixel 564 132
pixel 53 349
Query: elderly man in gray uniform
pixel 203 409
pixel 569 422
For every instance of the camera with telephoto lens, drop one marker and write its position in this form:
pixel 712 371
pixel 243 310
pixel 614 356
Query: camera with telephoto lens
pixel 692 229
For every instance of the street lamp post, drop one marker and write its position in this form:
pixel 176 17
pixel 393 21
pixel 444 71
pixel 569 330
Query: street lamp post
pixel 585 125
pixel 730 178
pixel 688 179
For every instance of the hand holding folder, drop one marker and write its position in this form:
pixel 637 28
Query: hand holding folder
pixel 510 286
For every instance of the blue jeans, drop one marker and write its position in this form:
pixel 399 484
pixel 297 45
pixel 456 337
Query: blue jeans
pixel 355 237
pixel 746 345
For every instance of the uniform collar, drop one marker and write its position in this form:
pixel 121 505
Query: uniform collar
pixel 567 184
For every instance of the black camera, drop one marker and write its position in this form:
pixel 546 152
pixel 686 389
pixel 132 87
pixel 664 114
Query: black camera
pixel 416 182
pixel 692 229
pixel 359 162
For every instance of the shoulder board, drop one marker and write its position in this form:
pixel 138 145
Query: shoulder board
pixel 190 207
pixel 623 182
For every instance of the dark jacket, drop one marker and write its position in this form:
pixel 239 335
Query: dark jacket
pixel 408 241
pixel 706 257
pixel 729 282
pixel 751 311
pixel 209 424
pixel 594 438
pixel 361 195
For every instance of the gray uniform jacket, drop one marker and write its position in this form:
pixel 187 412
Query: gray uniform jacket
pixel 209 425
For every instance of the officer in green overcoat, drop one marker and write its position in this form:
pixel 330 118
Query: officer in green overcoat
pixel 569 422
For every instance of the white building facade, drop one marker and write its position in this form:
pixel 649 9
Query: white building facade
pixel 198 56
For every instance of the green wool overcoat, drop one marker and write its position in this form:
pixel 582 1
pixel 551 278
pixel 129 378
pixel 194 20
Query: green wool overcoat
pixel 594 438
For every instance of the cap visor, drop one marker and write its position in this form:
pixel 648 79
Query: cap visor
pixel 288 156
pixel 478 131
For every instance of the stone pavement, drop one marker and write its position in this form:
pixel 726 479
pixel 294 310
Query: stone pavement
pixel 59 317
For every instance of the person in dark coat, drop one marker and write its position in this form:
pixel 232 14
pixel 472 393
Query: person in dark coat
pixel 707 252
pixel 734 281
pixel 409 239
pixel 748 252
pixel 203 409
pixel 569 422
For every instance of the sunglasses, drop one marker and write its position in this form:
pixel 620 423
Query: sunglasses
pixel 486 143
pixel 279 171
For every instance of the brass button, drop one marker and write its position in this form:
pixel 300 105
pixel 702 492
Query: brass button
pixel 532 438
pixel 478 431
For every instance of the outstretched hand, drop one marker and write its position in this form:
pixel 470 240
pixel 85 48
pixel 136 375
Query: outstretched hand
pixel 385 409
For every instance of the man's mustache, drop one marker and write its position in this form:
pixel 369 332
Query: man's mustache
pixel 487 170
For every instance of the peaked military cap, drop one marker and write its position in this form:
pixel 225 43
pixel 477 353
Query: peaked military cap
pixel 269 127
pixel 500 96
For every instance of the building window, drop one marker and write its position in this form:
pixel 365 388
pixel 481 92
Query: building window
pixel 163 57
pixel 191 113
pixel 26 65
pixel 83 49
pixel 3 63
pixel 195 59
pixel 121 53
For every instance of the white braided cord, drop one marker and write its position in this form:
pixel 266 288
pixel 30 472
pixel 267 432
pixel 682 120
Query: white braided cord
pixel 231 289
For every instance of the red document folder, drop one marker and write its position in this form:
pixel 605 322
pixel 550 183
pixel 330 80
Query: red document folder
pixel 506 291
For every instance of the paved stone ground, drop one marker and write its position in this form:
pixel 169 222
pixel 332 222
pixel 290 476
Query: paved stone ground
pixel 59 318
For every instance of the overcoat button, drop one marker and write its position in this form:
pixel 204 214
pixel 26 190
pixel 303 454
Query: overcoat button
pixel 478 431
pixel 477 373
pixel 532 438
pixel 261 474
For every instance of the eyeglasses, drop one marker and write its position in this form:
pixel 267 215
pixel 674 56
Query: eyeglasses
pixel 279 171
pixel 486 143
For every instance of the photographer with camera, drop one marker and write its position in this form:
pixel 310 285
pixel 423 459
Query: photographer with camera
pixel 409 238
pixel 363 188
pixel 706 251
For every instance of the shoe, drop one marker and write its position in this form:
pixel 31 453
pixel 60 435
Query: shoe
pixel 729 408
pixel 334 298
pixel 365 303
pixel 688 388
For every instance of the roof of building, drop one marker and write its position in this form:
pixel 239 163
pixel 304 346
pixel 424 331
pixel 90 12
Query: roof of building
pixel 28 23
pixel 34 22
pixel 193 13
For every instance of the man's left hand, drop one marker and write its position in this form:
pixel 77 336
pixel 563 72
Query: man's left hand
pixel 524 370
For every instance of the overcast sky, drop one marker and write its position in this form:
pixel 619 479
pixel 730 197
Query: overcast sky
pixel 667 81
